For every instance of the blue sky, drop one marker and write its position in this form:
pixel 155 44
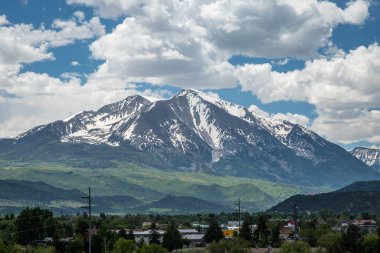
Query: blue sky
pixel 312 62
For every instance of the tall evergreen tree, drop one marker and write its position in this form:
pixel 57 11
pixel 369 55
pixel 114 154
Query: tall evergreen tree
pixel 172 239
pixel 262 232
pixel 352 239
pixel 214 232
pixel 246 231
pixel 275 235
pixel 154 235
pixel 122 233
pixel 131 236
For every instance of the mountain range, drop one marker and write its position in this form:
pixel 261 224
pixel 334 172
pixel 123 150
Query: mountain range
pixel 193 144
pixel 17 194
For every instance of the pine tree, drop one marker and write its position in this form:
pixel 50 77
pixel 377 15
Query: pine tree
pixel 154 236
pixel 214 232
pixel 122 233
pixel 262 232
pixel 131 236
pixel 352 239
pixel 172 239
pixel 245 231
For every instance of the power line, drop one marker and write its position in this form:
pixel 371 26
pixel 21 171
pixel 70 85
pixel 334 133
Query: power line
pixel 35 229
pixel 25 218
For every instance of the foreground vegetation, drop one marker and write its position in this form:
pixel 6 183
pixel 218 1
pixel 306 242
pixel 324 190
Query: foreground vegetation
pixel 25 233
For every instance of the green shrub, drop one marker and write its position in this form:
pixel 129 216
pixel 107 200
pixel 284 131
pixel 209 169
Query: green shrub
pixel 124 246
pixel 296 247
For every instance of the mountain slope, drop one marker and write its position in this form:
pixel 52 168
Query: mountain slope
pixel 17 194
pixel 356 197
pixel 181 204
pixel 369 156
pixel 35 191
pixel 362 186
pixel 192 131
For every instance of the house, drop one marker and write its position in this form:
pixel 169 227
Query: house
pixel 234 225
pixel 145 235
pixel 200 227
pixel 366 226
pixel 194 237
pixel 291 224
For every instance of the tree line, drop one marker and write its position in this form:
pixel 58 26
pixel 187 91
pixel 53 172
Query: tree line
pixel 20 233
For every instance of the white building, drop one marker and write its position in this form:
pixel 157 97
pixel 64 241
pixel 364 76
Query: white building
pixel 195 237
pixel 145 235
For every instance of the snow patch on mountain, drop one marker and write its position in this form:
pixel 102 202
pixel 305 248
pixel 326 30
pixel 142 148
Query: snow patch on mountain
pixel 369 156
pixel 277 127
pixel 72 116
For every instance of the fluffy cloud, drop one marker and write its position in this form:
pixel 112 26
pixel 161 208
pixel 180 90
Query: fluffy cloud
pixel 76 29
pixel 134 52
pixel 74 63
pixel 364 126
pixel 189 43
pixel 27 99
pixel 275 28
pixel 344 89
pixel 270 28
pixel 42 99
pixel 3 20
pixel 291 117
pixel 22 43
pixel 110 8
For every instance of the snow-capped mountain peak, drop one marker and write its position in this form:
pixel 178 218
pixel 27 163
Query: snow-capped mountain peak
pixel 97 127
pixel 198 130
pixel 191 119
pixel 370 156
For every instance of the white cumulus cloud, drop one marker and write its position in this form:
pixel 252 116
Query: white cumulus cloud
pixel 344 90
pixel 3 20
pixel 28 99
pixel 294 118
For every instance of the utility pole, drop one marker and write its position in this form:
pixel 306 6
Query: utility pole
pixel 238 206
pixel 295 217
pixel 89 217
